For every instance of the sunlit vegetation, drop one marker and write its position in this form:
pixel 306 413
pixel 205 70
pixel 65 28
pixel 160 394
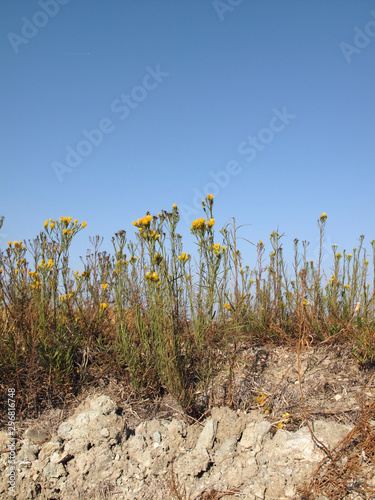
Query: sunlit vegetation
pixel 158 315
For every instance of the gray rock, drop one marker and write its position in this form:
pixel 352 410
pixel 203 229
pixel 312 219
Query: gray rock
pixel 227 449
pixel 330 433
pixel 157 437
pixel 192 463
pixel 28 452
pixel 254 434
pixel 37 436
pixel 54 470
pixel 50 448
pixel 207 437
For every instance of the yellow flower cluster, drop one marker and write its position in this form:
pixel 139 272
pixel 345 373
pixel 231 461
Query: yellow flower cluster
pixel 104 286
pixel 103 306
pixel 64 222
pixel 261 398
pixel 66 297
pixel 323 217
pixel 36 282
pixel 143 222
pixel 184 257
pixel 217 248
pixel 285 419
pixel 44 264
pixel 201 224
pixel 227 306
pixel 143 225
pixel 152 277
pixel 17 244
pixel 198 224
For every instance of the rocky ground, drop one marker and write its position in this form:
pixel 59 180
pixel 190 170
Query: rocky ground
pixel 259 439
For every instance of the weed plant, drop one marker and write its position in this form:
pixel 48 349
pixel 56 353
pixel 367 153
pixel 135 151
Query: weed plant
pixel 153 311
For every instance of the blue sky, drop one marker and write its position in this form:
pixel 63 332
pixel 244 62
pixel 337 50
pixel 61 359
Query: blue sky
pixel 162 97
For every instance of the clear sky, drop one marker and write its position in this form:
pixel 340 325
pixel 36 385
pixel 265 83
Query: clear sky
pixel 112 108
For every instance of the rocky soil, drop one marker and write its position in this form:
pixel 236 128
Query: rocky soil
pixel 253 443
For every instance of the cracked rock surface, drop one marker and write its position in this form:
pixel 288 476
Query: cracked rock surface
pixel 96 455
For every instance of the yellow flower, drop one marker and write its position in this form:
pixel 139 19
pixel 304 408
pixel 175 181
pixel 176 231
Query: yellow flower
pixel 216 248
pixel 154 236
pixel 52 225
pixel 50 263
pixel 338 256
pixel 66 220
pixel 261 398
pixel 323 217
pixel 84 224
pixel 105 286
pixel 10 243
pixel 103 306
pixel 210 197
pixel 227 306
pixel 210 222
pixel 46 223
pixel 175 206
pixel 198 223
pixel 184 257
pixel 152 276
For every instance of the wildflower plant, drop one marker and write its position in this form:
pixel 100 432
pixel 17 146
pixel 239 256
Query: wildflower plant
pixel 162 314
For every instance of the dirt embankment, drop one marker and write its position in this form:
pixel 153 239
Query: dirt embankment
pixel 260 448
